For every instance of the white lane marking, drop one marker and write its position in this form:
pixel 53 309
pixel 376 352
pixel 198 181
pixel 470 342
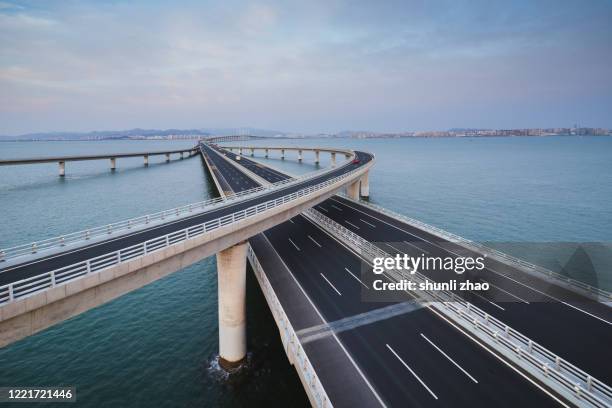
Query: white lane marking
pixel 447 320
pixel 370 386
pixel 484 298
pixel 330 284
pixel 355 276
pixel 486 269
pixel 552 297
pixel 313 240
pixel 324 209
pixel 367 223
pixel 296 247
pixel 411 372
pixel 414 246
pixel 505 291
pixel 291 221
pixel 351 224
pixel 449 359
pixel 394 248
pixel 337 208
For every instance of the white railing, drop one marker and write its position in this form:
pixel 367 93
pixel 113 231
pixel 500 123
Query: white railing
pixel 25 287
pixel 289 337
pixel 494 253
pixel 145 220
pixel 563 376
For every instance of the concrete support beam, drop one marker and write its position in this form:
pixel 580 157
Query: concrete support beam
pixel 167 157
pixel 240 151
pixel 365 185
pixel 113 163
pixel 282 154
pixel 62 169
pixel 181 155
pixel 252 152
pixel 317 157
pixel 146 159
pixel 267 154
pixel 300 156
pixel 231 272
pixel 333 159
pixel 352 190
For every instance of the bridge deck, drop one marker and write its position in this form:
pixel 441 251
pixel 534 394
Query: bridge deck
pixel 55 159
pixel 522 301
pixel 402 367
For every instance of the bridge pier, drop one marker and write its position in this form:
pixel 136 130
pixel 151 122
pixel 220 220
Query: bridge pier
pixel 352 190
pixel 62 169
pixel 252 152
pixel 282 154
pixel 316 157
pixel 231 275
pixel 365 185
pixel 333 159
pixel 240 151
pixel 347 156
pixel 146 160
pixel 181 155
pixel 300 156
pixel 167 157
pixel 267 153
pixel 113 164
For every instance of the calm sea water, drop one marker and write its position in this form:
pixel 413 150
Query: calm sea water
pixel 156 346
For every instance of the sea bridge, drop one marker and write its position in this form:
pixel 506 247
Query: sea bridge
pixel 307 246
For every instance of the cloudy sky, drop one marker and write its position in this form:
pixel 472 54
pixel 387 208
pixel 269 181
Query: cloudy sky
pixel 304 66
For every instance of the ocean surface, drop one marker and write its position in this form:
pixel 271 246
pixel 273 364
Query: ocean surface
pixel 544 199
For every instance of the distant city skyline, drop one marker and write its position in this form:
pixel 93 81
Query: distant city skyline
pixel 304 67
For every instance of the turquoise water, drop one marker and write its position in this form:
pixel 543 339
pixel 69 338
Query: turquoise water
pixel 156 346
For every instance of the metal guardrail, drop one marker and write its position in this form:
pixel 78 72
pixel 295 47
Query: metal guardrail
pixel 25 287
pixel 494 253
pixel 565 378
pixel 289 337
pixel 145 220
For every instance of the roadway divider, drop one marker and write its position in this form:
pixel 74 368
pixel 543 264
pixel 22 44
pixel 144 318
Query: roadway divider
pixel 145 221
pixel 534 270
pixel 557 374
pixel 25 287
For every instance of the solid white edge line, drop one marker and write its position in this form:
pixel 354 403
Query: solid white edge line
pixel 411 372
pixel 370 386
pixel 330 284
pixel 449 359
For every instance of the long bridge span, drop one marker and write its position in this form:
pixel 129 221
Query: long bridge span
pixel 441 351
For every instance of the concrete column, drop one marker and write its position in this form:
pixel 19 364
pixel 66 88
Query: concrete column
pixel 333 159
pixel 181 155
pixel 167 157
pixel 347 156
pixel 113 163
pixel 267 154
pixel 146 159
pixel 231 272
pixel 316 157
pixel 282 154
pixel 300 156
pixel 252 152
pixel 240 151
pixel 62 169
pixel 352 190
pixel 365 185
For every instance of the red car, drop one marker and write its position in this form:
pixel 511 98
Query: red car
pixel 356 161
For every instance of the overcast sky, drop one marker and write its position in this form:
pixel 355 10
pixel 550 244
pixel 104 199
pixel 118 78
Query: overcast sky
pixel 304 66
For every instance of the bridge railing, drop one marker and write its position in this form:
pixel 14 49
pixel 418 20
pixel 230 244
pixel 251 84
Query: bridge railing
pixel 494 253
pixel 290 339
pixel 144 221
pixel 565 378
pixel 25 287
